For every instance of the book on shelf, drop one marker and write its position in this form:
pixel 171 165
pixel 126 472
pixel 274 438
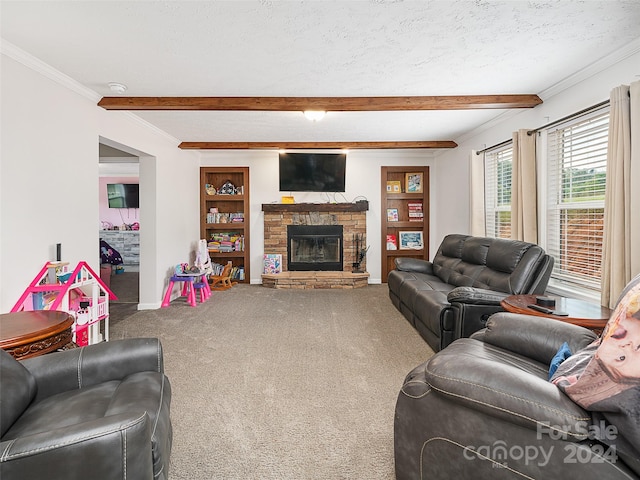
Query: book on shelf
pixel 236 273
pixel 392 242
pixel 415 211
pixel 392 214
pixel 272 263
pixel 217 217
pixel 226 242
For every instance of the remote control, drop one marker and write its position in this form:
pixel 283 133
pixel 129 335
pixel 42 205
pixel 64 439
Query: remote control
pixel 546 310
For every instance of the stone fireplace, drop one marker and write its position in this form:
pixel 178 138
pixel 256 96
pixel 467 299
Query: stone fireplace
pixel 351 217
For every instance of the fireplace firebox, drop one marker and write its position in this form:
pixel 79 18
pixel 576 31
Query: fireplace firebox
pixel 314 247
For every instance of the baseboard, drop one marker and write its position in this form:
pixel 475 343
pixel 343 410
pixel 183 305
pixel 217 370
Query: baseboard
pixel 149 306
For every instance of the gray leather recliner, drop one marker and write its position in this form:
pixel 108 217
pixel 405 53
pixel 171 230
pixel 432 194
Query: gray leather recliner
pixel 483 408
pixel 99 412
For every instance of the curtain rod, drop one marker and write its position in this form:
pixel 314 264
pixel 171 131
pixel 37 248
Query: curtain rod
pixel 493 146
pixel 531 132
pixel 577 114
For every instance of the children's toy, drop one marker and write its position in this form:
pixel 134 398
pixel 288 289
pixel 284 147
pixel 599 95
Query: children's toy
pixel 79 291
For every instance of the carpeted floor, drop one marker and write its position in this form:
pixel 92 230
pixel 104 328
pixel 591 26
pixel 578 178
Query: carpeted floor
pixel 283 384
pixel 126 286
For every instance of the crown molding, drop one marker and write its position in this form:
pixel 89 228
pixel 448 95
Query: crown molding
pixel 152 127
pixel 592 69
pixel 29 61
pixel 584 74
pixel 46 70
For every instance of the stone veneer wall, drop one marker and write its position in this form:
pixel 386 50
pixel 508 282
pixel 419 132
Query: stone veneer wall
pixel 275 231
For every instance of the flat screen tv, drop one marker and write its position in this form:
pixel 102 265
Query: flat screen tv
pixel 123 195
pixel 312 172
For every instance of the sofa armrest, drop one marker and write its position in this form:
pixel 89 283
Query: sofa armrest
pixel 86 366
pixel 504 385
pixel 475 296
pixel 116 446
pixel 418 265
pixel 535 337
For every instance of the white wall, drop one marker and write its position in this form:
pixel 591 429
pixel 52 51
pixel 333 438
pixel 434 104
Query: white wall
pixel 362 181
pixel 49 181
pixel 451 191
pixel 49 176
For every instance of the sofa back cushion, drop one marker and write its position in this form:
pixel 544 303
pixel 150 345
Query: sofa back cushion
pixel 492 263
pixel 17 389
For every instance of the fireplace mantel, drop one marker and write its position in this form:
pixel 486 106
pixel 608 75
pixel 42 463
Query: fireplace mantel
pixel 359 206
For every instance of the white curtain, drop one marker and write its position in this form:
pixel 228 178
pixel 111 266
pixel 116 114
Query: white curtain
pixel 524 198
pixel 621 236
pixel 476 195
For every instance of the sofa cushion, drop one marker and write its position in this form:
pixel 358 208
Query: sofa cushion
pixel 505 256
pixel 428 307
pixel 489 263
pixel 86 404
pixel 19 388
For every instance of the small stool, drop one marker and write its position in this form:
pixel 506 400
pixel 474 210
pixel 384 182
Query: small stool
pixel 203 286
pixel 188 289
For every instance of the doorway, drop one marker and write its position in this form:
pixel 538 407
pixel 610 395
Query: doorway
pixel 119 230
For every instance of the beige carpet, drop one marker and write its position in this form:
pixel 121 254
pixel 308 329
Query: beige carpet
pixel 283 384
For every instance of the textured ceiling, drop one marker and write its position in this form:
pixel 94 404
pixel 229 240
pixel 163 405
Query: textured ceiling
pixel 320 48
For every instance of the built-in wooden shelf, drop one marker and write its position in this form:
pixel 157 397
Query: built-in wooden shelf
pixel 360 206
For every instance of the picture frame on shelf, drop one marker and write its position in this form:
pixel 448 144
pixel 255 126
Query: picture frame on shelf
pixel 413 240
pixel 394 186
pixel 413 182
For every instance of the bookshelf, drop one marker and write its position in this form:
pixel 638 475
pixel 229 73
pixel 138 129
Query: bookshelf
pixel 224 217
pixel 405 214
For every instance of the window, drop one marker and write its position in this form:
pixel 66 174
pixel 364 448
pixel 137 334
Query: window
pixel 576 175
pixel 498 164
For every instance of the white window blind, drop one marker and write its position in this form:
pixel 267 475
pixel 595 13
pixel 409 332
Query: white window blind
pixel 498 166
pixel 577 161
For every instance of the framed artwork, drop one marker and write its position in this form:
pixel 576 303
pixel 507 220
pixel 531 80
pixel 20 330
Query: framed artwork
pixel 413 182
pixel 393 186
pixel 411 240
pixel 392 214
pixel 272 263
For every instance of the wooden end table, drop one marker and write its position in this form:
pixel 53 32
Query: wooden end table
pixel 584 314
pixel 32 333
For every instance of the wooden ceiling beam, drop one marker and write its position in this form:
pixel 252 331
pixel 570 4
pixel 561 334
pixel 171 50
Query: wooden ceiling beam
pixel 331 104
pixel 313 145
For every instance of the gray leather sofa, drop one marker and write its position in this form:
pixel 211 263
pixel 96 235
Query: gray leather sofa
pixel 483 408
pixel 99 412
pixel 454 295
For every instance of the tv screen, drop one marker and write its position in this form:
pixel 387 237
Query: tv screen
pixel 312 172
pixel 123 195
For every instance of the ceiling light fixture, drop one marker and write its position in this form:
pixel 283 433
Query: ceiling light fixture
pixel 118 88
pixel 314 115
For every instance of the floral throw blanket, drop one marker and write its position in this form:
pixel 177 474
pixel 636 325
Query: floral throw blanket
pixel 604 378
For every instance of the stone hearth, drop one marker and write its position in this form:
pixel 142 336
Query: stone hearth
pixel 353 218
pixel 310 280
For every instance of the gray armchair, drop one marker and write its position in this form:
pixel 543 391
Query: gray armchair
pixel 99 412
pixel 483 408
